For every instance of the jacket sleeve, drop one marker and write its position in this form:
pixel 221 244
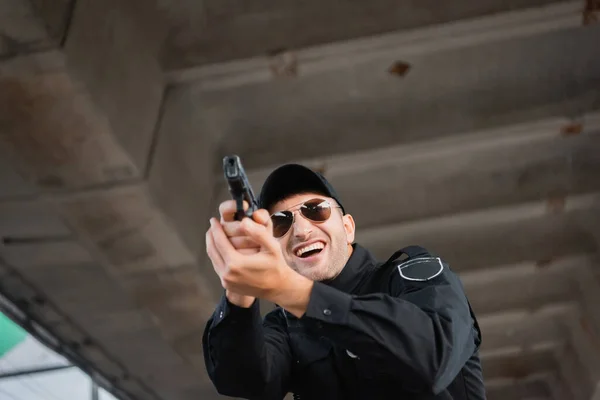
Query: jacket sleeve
pixel 245 356
pixel 421 330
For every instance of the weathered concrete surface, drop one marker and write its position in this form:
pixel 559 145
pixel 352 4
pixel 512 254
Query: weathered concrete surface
pixel 28 26
pixel 181 164
pixel 445 94
pixel 226 30
pixel 523 162
pixel 486 151
pixel 81 225
pixel 112 48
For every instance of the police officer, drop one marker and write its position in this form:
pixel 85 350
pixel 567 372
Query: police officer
pixel 346 325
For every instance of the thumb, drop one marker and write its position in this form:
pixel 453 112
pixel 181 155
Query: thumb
pixel 261 217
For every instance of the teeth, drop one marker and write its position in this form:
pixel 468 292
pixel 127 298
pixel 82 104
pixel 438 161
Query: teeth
pixel 314 246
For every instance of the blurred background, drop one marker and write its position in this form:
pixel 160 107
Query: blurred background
pixel 471 127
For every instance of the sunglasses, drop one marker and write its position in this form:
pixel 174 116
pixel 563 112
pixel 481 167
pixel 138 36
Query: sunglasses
pixel 315 210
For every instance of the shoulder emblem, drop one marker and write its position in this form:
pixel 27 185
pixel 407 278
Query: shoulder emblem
pixel 421 269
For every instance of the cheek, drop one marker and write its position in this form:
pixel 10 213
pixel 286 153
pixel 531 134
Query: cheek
pixel 345 236
pixel 333 232
pixel 283 244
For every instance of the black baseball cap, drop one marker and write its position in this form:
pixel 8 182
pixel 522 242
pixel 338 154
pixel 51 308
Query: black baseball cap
pixel 291 179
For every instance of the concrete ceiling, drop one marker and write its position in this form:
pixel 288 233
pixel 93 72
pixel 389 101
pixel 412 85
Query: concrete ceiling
pixel 472 128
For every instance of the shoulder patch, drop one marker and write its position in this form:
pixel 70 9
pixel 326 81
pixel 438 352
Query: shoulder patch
pixel 421 269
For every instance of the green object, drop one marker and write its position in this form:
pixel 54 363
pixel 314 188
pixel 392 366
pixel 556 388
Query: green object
pixel 11 335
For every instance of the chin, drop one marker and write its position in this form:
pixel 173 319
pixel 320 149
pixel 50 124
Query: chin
pixel 316 274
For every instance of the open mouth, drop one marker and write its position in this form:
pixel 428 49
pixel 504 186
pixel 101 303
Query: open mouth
pixel 310 250
pixel 310 253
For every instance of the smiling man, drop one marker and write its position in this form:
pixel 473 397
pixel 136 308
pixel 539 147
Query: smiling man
pixel 347 326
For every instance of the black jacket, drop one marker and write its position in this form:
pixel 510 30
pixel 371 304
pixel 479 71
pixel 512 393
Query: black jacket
pixel 394 330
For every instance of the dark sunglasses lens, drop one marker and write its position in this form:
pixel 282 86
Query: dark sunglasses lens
pixel 316 210
pixel 282 222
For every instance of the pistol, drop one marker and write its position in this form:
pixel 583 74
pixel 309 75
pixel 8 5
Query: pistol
pixel 239 187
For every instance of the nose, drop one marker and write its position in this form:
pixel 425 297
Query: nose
pixel 302 227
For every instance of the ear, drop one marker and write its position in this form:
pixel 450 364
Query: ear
pixel 349 227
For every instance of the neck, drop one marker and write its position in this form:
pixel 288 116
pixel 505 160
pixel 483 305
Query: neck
pixel 348 255
pixel 350 251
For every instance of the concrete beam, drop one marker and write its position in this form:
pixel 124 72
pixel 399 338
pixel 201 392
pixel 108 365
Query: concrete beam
pixel 558 387
pixel 531 388
pixel 537 132
pixel 592 225
pixel 444 94
pixel 53 135
pixel 180 174
pixel 513 366
pixel 586 343
pixel 588 286
pixel 124 225
pixel 531 231
pixel 112 49
pixel 573 373
pixel 522 330
pixel 31 220
pixel 56 16
pixel 584 330
pixel 123 274
pixel 482 169
pixel 353 53
pixel 23 65
pixel 23 31
pixel 79 126
pixel 526 285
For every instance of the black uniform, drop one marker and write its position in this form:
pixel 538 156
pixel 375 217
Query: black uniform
pixel 394 330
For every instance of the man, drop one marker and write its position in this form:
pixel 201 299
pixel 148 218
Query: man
pixel 346 326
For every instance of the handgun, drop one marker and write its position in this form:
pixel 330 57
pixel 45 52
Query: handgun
pixel 239 187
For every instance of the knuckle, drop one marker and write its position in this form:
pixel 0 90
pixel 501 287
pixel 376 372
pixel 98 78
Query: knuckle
pixel 245 224
pixel 226 208
pixel 241 242
pixel 228 278
pixel 231 268
pixel 232 228
pixel 249 250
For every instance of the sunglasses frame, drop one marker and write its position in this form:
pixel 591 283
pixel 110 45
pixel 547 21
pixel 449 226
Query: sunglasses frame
pixel 303 216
